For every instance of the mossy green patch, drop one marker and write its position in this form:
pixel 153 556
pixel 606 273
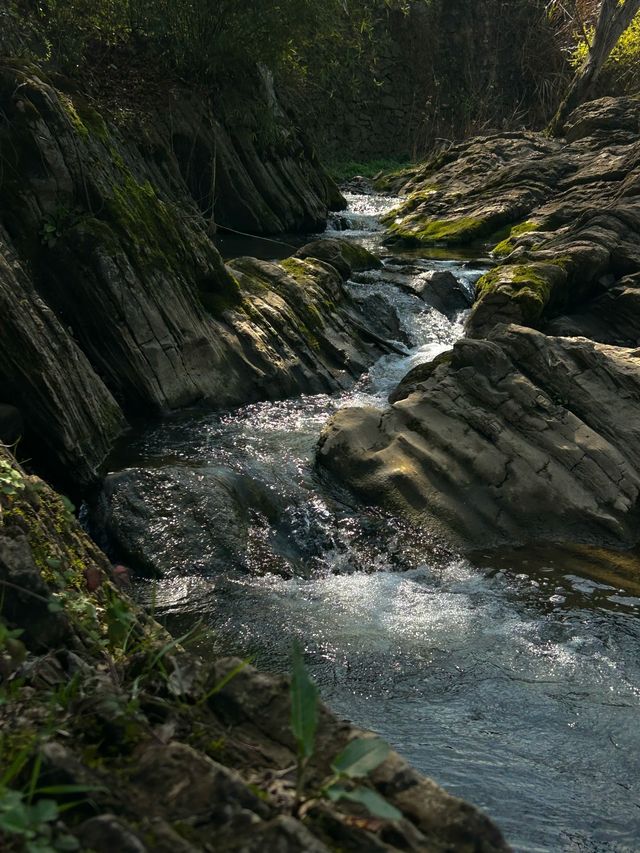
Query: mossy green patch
pixel 506 246
pixel 452 231
pixel 532 286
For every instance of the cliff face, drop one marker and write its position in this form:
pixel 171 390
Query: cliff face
pixel 114 300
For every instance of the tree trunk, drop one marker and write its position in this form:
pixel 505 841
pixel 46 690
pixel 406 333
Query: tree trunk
pixel 613 20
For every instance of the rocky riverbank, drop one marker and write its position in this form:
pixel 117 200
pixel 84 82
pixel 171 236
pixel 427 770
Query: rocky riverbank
pixel 115 737
pixel 527 429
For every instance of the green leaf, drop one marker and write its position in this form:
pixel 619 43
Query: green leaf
pixel 69 789
pixel 360 757
pixel 304 705
pixel 367 797
pixel 44 811
pixel 15 821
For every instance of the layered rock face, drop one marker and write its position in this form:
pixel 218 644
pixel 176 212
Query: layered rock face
pixel 521 433
pixel 114 300
pixel 179 754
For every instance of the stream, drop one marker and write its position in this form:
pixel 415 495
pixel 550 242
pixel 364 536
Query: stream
pixel 512 679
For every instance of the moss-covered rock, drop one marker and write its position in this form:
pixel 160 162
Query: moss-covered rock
pixel 560 214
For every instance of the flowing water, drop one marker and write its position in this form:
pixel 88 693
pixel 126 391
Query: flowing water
pixel 513 679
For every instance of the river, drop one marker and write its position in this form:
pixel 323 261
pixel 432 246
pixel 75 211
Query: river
pixel 513 679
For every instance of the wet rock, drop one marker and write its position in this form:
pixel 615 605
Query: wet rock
pixel 380 316
pixel 178 520
pixel 522 436
pixel 442 291
pixel 344 256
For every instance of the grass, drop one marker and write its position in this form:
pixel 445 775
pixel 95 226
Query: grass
pixel 344 170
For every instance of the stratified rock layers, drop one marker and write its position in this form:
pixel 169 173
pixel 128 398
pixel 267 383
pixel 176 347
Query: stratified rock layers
pixel 520 436
pixel 113 299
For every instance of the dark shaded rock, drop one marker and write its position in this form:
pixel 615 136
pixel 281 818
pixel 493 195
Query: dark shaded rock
pixel 519 437
pixel 107 833
pixel 68 411
pixel 282 835
pixel 184 520
pixel 111 288
pixel 11 424
pixel 180 782
pixel 612 318
pixel 380 316
pixel 442 291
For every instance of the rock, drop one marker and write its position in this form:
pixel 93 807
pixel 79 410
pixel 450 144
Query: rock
pixel 561 214
pixel 178 520
pixel 11 424
pixel 106 833
pixel 442 290
pixel 178 782
pixel 607 116
pixel 380 316
pixel 71 418
pixel 611 318
pixel 520 437
pixel 344 256
pixel 416 376
pixel 114 299
pixel 282 835
pixel 256 703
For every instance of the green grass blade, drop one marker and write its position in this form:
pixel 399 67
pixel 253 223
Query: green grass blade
pixel 304 705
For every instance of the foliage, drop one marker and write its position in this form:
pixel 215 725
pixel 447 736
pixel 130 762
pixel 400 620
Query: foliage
pixel 28 817
pixel 356 761
pixel 622 70
pixel 209 41
pixel 33 824
pixel 304 714
pixel 343 170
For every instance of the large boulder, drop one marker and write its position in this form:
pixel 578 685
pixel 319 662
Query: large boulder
pixel 520 437
pixel 181 521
